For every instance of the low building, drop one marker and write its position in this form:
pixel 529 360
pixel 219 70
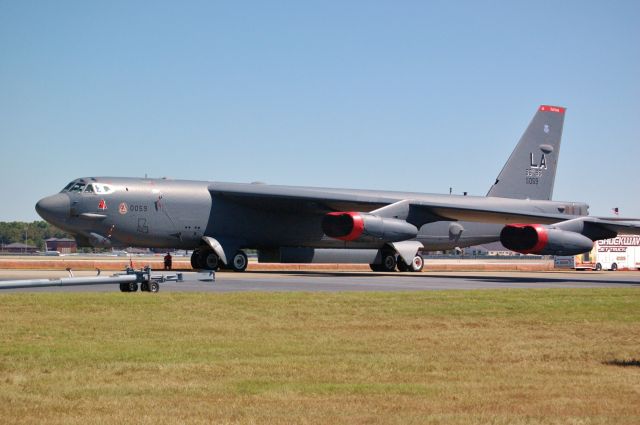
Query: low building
pixel 19 248
pixel 62 245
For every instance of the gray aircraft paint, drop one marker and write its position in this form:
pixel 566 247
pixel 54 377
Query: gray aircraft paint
pixel 228 217
pixel 530 171
pixel 176 214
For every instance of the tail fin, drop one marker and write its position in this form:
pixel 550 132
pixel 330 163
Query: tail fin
pixel 531 169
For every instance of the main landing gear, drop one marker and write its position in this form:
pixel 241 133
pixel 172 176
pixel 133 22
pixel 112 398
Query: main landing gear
pixel 206 259
pixel 239 262
pixel 416 265
pixel 390 260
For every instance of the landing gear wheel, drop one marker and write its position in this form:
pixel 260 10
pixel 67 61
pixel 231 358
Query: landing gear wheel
pixel 209 260
pixel 154 286
pixel 144 287
pixel 614 267
pixel 195 258
pixel 402 266
pixel 598 267
pixel 239 262
pixel 388 262
pixel 133 287
pixel 417 264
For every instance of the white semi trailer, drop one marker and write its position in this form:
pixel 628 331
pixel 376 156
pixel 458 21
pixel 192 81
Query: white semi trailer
pixel 619 253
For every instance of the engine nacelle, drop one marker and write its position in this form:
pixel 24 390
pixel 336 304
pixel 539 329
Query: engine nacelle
pixel 352 226
pixel 541 239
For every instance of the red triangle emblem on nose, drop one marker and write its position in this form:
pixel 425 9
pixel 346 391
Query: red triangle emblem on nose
pixel 102 205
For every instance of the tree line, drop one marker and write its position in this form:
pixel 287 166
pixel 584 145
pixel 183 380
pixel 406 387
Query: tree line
pixel 33 233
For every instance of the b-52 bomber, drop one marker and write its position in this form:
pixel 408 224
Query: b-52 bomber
pixel 289 224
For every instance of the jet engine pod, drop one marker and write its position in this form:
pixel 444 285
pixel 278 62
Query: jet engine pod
pixel 356 226
pixel 544 240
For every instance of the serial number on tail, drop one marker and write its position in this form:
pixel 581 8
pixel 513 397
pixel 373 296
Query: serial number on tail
pixel 531 180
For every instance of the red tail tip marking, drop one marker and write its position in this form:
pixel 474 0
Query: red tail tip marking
pixel 548 108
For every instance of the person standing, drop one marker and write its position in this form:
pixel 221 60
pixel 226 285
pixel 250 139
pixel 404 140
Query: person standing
pixel 167 261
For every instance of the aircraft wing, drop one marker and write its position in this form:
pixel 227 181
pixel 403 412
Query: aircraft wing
pixel 417 212
pixel 488 213
pixel 298 199
pixel 624 226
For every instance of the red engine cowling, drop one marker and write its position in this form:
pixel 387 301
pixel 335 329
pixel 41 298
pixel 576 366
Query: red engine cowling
pixel 356 226
pixel 544 240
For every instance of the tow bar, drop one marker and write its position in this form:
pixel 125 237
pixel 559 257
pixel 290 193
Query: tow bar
pixel 128 280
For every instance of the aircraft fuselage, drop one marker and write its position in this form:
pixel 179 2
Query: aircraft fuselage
pixel 174 214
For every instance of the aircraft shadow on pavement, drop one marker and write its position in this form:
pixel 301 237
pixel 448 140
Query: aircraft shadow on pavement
pixel 426 275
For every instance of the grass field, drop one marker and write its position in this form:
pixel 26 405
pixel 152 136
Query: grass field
pixel 450 357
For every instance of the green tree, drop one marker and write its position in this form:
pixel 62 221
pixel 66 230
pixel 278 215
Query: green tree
pixel 35 232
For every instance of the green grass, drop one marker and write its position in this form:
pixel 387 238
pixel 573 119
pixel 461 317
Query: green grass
pixel 450 357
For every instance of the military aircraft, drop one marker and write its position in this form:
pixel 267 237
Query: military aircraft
pixel 385 229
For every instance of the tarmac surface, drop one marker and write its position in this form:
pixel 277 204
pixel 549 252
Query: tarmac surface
pixel 319 281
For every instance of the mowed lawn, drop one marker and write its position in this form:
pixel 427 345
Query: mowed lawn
pixel 441 357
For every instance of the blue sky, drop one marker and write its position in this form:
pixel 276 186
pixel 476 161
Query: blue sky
pixel 411 96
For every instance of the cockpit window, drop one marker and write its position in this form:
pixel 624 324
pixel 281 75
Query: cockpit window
pixel 78 187
pixel 67 187
pixel 103 188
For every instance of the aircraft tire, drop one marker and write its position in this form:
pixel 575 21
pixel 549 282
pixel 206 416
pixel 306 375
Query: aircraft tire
pixel 144 287
pixel 388 262
pixel 417 264
pixel 209 260
pixel 133 287
pixel 402 266
pixel 614 267
pixel 239 262
pixel 195 257
pixel 598 267
pixel 154 286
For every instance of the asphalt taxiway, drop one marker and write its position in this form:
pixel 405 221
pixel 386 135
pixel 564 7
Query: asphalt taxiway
pixel 317 281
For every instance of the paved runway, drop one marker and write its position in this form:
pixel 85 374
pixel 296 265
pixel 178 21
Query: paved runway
pixel 315 281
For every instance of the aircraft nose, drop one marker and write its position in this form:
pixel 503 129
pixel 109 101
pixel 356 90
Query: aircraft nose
pixel 54 207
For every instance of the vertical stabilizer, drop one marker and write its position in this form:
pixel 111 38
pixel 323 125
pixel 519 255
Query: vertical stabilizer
pixel 531 169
